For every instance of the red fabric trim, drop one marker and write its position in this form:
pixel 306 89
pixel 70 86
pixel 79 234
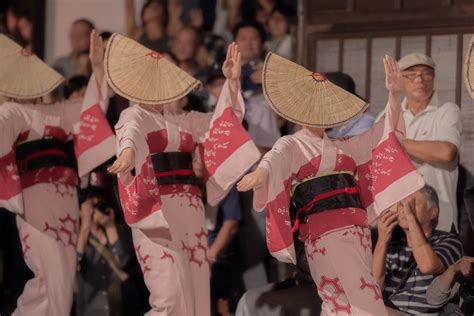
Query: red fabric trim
pixel 56 175
pixel 94 129
pixel 324 222
pixel 23 164
pixel 350 190
pixel 226 135
pixel 55 132
pixel 181 172
pixel 9 179
pixel 157 141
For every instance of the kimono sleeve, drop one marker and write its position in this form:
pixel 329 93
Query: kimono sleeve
pixel 13 121
pixel 139 193
pixel 282 163
pixel 94 139
pixel 385 173
pixel 225 147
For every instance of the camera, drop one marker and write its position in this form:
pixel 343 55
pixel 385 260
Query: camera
pixel 102 207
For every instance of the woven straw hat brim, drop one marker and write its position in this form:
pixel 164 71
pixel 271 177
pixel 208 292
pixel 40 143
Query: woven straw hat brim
pixel 469 69
pixel 142 75
pixel 304 98
pixel 24 75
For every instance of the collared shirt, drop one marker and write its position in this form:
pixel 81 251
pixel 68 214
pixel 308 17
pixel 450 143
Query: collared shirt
pixel 438 122
pixel 411 296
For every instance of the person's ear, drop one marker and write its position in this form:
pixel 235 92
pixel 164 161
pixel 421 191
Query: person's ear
pixel 434 212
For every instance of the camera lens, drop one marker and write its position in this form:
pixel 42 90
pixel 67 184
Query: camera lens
pixel 102 207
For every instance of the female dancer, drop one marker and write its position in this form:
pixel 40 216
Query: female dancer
pixel 38 170
pixel 335 186
pixel 160 200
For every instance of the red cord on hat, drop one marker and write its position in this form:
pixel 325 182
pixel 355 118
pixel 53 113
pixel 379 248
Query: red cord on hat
pixel 154 54
pixel 318 76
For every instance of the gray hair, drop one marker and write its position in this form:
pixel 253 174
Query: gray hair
pixel 432 200
pixel 431 196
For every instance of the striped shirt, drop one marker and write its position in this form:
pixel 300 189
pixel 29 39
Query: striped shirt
pixel 411 297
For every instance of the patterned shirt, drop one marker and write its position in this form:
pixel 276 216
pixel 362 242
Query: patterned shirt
pixel 411 297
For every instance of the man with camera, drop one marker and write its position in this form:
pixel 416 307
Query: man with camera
pixel 102 254
pixel 404 267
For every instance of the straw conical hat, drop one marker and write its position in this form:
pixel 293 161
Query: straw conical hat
pixel 22 74
pixel 142 75
pixel 469 68
pixel 307 98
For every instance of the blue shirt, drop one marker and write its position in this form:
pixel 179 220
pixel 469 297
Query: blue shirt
pixel 229 210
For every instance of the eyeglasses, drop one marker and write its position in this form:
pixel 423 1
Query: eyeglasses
pixel 425 75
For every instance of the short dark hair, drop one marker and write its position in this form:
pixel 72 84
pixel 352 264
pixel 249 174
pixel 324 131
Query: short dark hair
pixel 284 10
pixel 253 24
pixel 342 80
pixel 105 35
pixel 91 192
pixel 75 84
pixel 86 22
pixel 148 3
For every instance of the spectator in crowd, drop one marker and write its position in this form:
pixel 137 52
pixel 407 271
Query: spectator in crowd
pixel 359 124
pixel 280 41
pixel 433 134
pixel 211 51
pixel 447 285
pixel 103 252
pixel 83 65
pixel 11 21
pixel 24 30
pixel 262 121
pixel 75 88
pixel 223 255
pixel 404 268
pixel 152 31
pixel 263 128
pixel 184 48
pixel 79 39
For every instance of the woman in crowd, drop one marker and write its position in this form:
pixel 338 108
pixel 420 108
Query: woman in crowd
pixel 336 187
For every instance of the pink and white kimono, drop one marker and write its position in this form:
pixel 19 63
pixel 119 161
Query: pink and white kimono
pixel 167 220
pixel 43 193
pixel 337 241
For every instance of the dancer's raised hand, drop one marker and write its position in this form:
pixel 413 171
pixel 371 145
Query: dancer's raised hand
pixel 96 50
pixel 393 75
pixel 124 163
pixel 232 64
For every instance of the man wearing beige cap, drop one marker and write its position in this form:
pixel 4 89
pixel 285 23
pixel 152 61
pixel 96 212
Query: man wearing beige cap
pixel 433 134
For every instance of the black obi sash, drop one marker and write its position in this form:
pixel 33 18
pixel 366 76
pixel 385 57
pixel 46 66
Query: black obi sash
pixel 44 153
pixel 173 168
pixel 323 194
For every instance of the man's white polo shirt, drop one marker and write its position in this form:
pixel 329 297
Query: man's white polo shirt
pixel 438 122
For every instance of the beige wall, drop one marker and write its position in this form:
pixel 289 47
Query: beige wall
pixel 105 14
